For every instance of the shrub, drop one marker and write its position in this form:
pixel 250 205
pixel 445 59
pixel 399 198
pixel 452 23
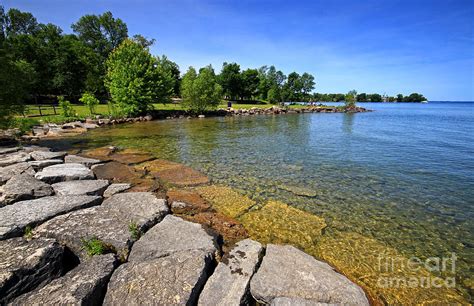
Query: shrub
pixel 90 101
pixel 28 232
pixel 200 91
pixel 134 230
pixel 95 246
pixel 68 110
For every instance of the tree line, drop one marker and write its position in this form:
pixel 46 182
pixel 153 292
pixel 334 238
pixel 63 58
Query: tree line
pixel 101 61
pixel 365 97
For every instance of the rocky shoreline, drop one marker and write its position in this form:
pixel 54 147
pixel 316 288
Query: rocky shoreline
pixel 91 229
pixel 81 126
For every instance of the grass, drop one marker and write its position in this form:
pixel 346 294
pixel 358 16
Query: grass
pixel 134 230
pixel 95 246
pixel 28 232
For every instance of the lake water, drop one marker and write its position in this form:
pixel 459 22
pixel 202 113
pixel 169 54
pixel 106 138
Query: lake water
pixel 402 176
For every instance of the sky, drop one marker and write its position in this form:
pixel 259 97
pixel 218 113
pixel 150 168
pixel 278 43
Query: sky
pixel 382 46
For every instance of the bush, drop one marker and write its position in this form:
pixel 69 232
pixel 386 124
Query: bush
pixel 95 246
pixel 66 106
pixel 200 91
pixel 90 101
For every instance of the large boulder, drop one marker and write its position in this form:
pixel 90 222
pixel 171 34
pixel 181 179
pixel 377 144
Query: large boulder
pixel 23 187
pixel 82 187
pixel 9 150
pixel 40 164
pixel 8 172
pixel 114 222
pixel 88 162
pixel 116 188
pixel 171 280
pixel 287 272
pixel 25 265
pixel 84 285
pixel 230 282
pixel 172 235
pixel 16 217
pixel 64 172
pixel 14 158
pixel 44 155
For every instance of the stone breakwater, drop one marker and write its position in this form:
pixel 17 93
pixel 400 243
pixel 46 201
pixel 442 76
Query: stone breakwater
pixel 73 230
pixel 82 126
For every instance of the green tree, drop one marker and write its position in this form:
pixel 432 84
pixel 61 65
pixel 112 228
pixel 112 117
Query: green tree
pixel 90 101
pixel 135 79
pixel 362 97
pixel 250 82
pixel 307 85
pixel 350 99
pixel 173 69
pixel 399 98
pixel 231 80
pixel 375 98
pixel 201 91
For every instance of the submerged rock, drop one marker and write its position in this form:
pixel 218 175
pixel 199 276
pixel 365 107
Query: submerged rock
pixel 174 173
pixel 113 222
pixel 88 162
pixel 82 187
pixel 8 172
pixel 116 188
pixel 170 236
pixel 226 200
pixel 299 191
pixel 23 187
pixel 43 155
pixel 102 153
pixel 130 157
pixel 290 273
pixel 64 172
pixel 14 158
pixel 14 218
pixel 84 285
pixel 193 202
pixel 25 265
pixel 230 282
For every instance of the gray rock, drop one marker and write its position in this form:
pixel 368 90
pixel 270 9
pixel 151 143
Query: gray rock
pixel 9 150
pixel 14 158
pixel 172 235
pixel 90 126
pixel 84 285
pixel 43 155
pixel 65 172
pixel 172 280
pixel 14 218
pixel 285 301
pixel 88 162
pixel 25 265
pixel 23 187
pixel 287 272
pixel 40 164
pixel 83 187
pixel 178 205
pixel 108 222
pixel 116 188
pixel 8 172
pixel 230 282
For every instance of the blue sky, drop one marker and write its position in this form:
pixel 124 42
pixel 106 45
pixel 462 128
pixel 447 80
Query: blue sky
pixel 379 46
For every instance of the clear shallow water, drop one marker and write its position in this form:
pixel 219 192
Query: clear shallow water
pixel 403 174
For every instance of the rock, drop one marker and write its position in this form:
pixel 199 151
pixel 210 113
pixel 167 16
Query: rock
pixel 82 187
pixel 116 188
pixel 90 126
pixel 23 187
pixel 120 173
pixel 84 285
pixel 8 172
pixel 170 236
pixel 129 157
pixel 300 191
pixel 9 150
pixel 42 155
pixel 171 280
pixel 14 158
pixel 40 164
pixel 178 206
pixel 25 265
pixel 109 222
pixel 285 301
pixel 304 278
pixel 174 173
pixel 14 218
pixel 226 200
pixel 193 202
pixel 64 172
pixel 230 282
pixel 201 116
pixel 88 162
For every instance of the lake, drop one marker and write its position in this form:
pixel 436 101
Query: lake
pixel 400 178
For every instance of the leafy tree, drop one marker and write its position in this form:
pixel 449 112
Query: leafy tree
pixel 135 79
pixel 350 99
pixel 201 91
pixel 231 80
pixel 375 98
pixel 250 82
pixel 362 97
pixel 293 87
pixel 173 69
pixel 414 97
pixel 66 106
pixel 16 22
pixel 307 85
pixel 399 98
pixel 142 40
pixel 90 101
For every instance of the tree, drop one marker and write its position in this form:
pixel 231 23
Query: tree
pixel 90 101
pixel 200 91
pixel 307 85
pixel 399 98
pixel 250 82
pixel 375 98
pixel 350 99
pixel 293 87
pixel 362 97
pixel 414 97
pixel 143 41
pixel 135 79
pixel 173 69
pixel 231 80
